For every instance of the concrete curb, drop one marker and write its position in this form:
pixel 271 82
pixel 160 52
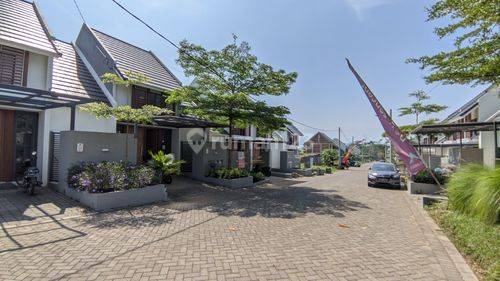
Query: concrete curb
pixel 429 227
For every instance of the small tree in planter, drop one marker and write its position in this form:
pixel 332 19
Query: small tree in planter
pixel 165 165
pixel 226 83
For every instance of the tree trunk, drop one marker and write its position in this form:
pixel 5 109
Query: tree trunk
pixel 229 144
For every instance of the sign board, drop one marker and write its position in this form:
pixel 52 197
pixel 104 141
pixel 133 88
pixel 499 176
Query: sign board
pixel 79 147
pixel 240 161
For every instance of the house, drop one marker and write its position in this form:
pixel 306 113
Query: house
pixel 285 140
pixel 42 82
pixel 467 134
pixel 108 54
pixel 320 141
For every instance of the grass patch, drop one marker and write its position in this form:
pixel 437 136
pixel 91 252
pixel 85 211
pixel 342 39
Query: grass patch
pixel 478 241
pixel 475 191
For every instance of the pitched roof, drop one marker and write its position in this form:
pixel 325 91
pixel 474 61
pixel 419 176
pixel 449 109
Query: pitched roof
pixel 466 107
pixel 128 57
pixel 294 130
pixel 21 25
pixel 321 137
pixel 71 77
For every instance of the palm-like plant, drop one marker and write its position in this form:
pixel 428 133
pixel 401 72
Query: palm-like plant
pixel 419 107
pixel 165 165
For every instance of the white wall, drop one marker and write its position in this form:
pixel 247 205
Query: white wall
pixel 37 71
pixel 489 104
pixel 123 95
pixel 87 122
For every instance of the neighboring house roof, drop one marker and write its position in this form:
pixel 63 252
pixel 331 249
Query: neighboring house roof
pixel 320 137
pixel 71 77
pixel 294 130
pixel 466 107
pixel 128 57
pixel 22 26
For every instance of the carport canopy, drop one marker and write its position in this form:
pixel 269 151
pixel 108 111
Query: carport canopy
pixel 456 128
pixel 30 98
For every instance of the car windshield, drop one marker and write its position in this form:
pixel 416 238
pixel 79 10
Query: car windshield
pixel 383 167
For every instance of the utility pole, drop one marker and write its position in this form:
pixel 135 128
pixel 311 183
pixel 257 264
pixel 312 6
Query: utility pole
pixel 340 156
pixel 390 142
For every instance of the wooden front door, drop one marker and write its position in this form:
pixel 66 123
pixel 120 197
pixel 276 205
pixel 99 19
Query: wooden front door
pixel 6 145
pixel 156 140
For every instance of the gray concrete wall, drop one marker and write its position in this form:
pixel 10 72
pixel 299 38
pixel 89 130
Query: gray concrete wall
pixel 211 153
pixel 97 147
pixel 97 57
pixel 472 155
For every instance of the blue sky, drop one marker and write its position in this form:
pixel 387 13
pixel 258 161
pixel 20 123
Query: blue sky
pixel 311 37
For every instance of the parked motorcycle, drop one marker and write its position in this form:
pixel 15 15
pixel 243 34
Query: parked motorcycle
pixel 29 179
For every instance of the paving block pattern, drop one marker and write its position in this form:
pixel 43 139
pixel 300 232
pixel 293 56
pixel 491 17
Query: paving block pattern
pixel 331 227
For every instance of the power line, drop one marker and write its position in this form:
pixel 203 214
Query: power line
pixel 170 41
pixel 312 127
pixel 198 61
pixel 79 11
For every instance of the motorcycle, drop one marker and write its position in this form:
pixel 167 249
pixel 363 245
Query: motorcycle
pixel 29 178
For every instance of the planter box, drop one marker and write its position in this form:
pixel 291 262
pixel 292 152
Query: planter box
pixel 233 183
pixel 422 188
pixel 304 172
pixel 120 199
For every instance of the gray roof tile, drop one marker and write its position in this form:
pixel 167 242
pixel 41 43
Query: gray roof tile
pixel 132 58
pixel 21 24
pixel 71 76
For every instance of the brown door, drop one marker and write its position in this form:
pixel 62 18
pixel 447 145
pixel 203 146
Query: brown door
pixel 156 140
pixel 6 145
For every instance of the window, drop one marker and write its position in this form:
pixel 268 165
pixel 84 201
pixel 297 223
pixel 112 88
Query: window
pixel 11 66
pixel 142 96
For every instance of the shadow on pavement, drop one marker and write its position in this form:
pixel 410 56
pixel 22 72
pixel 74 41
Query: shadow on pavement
pixel 288 202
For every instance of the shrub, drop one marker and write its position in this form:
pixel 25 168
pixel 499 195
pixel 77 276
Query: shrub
pixel 425 176
pixel 139 176
pixel 475 190
pixel 328 170
pixel 164 165
pixel 108 176
pixel 266 170
pixel 230 173
pixel 329 156
pixel 257 176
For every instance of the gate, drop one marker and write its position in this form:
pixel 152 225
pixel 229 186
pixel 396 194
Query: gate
pixel 55 144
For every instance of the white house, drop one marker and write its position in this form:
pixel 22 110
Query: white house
pixel 42 82
pixel 475 146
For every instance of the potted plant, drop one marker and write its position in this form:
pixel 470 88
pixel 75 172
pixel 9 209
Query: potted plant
pixel 165 165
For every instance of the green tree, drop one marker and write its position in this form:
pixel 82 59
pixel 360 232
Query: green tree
pixel 226 84
pixel 329 156
pixel 419 107
pixel 476 57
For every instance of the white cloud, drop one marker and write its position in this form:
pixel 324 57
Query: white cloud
pixel 360 7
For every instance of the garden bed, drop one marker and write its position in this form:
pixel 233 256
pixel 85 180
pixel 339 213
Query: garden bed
pixel 422 188
pixel 231 183
pixel 477 241
pixel 110 185
pixel 120 199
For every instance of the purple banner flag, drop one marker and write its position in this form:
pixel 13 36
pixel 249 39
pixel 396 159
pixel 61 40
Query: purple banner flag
pixel 402 146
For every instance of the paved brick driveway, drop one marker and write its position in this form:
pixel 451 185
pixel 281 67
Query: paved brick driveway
pixel 324 228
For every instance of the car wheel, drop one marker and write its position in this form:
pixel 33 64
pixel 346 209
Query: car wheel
pixel 370 184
